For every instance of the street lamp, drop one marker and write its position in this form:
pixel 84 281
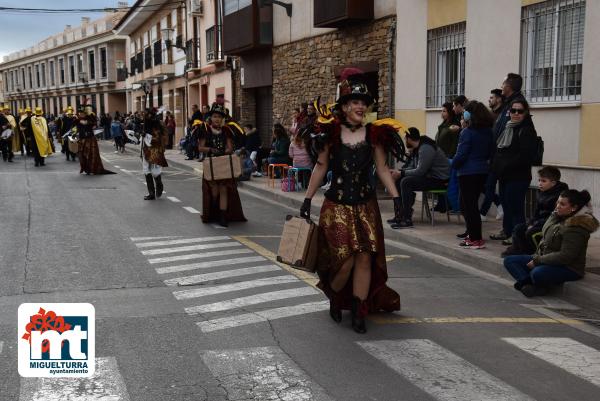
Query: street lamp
pixel 167 34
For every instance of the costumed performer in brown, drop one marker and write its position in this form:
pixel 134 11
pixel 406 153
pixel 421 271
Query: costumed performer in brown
pixel 89 152
pixel 351 263
pixel 220 199
pixel 153 153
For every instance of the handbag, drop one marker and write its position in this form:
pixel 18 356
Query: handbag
pixel 288 184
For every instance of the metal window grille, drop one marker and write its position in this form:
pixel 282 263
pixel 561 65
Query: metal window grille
pixel 552 50
pixel 446 49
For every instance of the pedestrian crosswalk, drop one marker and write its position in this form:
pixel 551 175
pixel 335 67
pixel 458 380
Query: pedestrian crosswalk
pixel 230 285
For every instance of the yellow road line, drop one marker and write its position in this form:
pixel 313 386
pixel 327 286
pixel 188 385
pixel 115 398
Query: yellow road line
pixel 307 277
pixel 440 320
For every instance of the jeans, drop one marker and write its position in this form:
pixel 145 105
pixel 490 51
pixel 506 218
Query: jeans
pixel 408 185
pixel 490 194
pixel 540 275
pixel 470 188
pixel 512 199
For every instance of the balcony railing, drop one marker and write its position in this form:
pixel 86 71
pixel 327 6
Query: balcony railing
pixel 147 58
pixel 133 65
pixel 339 13
pixel 213 44
pixel 158 52
pixel 139 64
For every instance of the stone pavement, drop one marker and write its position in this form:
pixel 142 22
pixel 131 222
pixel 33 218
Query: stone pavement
pixel 439 239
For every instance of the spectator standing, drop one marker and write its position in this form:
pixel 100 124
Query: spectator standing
pixel 471 163
pixel 429 169
pixel 561 255
pixel 206 112
pixel 511 91
pixel 512 165
pixel 192 141
pixel 447 134
pixel 495 102
pixel 171 126
pixel 298 152
pixel 117 131
pixel 550 188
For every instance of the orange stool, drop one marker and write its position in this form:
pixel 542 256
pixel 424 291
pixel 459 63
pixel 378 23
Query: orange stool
pixel 271 172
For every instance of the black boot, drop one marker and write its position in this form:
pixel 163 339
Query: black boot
pixel 150 185
pixel 359 312
pixel 334 309
pixel 159 186
pixel 222 219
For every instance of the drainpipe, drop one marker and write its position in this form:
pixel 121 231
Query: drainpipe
pixel 391 41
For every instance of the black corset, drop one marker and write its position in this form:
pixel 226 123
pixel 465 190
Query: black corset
pixel 352 168
pixel 216 141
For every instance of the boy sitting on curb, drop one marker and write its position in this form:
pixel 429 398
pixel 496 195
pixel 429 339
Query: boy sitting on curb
pixel 550 188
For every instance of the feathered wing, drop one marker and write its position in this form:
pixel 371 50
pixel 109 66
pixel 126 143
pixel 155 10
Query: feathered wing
pixel 386 132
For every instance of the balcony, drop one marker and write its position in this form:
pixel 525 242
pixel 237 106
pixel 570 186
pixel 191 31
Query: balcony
pixel 147 58
pixel 214 51
pixel 192 54
pixel 340 13
pixel 158 52
pixel 248 29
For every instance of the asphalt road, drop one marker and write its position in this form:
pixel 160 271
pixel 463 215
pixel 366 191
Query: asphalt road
pixel 187 311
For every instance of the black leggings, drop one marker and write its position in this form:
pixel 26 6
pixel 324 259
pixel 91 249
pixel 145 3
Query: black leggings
pixel 471 187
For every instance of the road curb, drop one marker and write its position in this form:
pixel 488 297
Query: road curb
pixel 585 293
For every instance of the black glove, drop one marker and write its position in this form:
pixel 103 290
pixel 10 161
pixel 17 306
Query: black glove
pixel 398 208
pixel 305 209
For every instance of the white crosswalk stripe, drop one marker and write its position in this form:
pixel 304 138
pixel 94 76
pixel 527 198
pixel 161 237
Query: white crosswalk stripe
pixel 225 288
pixel 163 251
pixel 262 316
pixel 180 241
pixel 191 210
pixel 107 384
pixel 262 373
pixel 565 353
pixel 136 239
pixel 209 264
pixel 1 346
pixel 202 278
pixel 252 300
pixel 191 256
pixel 442 374
pixel 173 199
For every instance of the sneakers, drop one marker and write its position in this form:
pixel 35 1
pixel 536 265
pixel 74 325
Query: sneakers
pixel 468 244
pixel 462 235
pixel 499 237
pixel 257 174
pixel 499 213
pixel 483 218
pixel 507 242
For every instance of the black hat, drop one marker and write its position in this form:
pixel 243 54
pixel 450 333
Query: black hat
pixel 353 86
pixel 219 109
pixel 413 134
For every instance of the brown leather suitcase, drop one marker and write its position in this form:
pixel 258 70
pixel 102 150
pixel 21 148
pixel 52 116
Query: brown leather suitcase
pixel 299 243
pixel 221 167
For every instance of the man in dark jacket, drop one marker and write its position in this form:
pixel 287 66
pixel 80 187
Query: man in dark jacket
pixel 550 188
pixel 429 169
pixel 511 91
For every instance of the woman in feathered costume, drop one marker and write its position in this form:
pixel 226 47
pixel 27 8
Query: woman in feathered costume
pixel 352 267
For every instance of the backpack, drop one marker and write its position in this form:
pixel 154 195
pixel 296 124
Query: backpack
pixel 537 157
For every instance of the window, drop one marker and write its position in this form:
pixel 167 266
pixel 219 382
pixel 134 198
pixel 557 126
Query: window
pixel 72 69
pixel 37 75
pixel 103 68
pixel 43 75
pixel 445 63
pixel 232 6
pixel 61 66
pixel 30 77
pixel 23 81
pixel 79 65
pixel 552 50
pixel 51 70
pixel 91 65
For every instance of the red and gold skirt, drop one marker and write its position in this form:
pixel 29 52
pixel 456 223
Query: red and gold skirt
pixel 346 230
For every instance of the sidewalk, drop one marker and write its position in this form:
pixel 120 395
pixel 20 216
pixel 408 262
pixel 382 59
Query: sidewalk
pixel 439 239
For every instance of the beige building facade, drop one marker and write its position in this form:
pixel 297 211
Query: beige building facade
pixel 450 47
pixel 68 69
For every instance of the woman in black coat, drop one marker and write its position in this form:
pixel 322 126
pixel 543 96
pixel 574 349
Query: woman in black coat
pixel 512 165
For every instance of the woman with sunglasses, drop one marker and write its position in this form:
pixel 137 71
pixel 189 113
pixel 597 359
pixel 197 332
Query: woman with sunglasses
pixel 512 163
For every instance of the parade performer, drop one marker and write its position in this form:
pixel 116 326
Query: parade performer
pixel 351 264
pixel 89 152
pixel 24 143
pixel 6 135
pixel 65 123
pixel 17 143
pixel 36 129
pixel 153 154
pixel 220 199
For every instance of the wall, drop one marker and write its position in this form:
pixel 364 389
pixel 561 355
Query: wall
pixel 304 70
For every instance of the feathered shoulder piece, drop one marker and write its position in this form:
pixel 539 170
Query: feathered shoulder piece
pixel 386 132
pixel 321 135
